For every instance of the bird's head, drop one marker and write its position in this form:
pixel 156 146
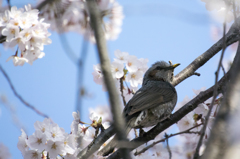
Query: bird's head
pixel 160 70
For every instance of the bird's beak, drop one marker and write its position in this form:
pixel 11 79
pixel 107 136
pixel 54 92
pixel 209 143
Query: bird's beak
pixel 175 65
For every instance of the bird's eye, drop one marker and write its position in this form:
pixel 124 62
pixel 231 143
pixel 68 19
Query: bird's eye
pixel 158 68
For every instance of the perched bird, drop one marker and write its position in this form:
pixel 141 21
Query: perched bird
pixel 152 103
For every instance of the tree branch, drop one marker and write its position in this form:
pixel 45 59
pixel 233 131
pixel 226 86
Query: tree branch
pixel 232 36
pixel 103 137
pixel 168 147
pixel 19 97
pixel 119 122
pixel 169 136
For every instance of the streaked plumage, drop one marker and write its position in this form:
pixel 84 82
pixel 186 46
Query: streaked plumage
pixel 152 103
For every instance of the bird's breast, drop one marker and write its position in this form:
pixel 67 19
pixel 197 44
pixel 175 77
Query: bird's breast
pixel 154 115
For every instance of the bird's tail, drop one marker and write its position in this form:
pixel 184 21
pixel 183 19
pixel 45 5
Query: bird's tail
pixel 109 148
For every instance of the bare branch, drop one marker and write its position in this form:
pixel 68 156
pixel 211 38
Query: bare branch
pixel 13 112
pixel 168 147
pixel 96 23
pixel 80 74
pixel 188 131
pixel 197 74
pixel 231 37
pixel 67 49
pixel 19 97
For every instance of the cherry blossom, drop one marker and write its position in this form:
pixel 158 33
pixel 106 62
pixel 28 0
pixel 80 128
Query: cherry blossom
pixel 22 142
pixel 54 148
pixel 132 63
pixel 37 140
pixel 117 69
pixel 135 78
pixel 23 28
pixel 32 154
pixel 101 111
pixel 121 56
pixel 97 74
pixel 44 126
pixel 71 15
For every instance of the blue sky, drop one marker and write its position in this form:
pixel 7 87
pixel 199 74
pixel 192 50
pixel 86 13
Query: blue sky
pixel 158 30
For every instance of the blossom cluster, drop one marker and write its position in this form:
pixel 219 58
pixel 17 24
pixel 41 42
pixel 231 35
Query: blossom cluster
pixel 222 9
pixel 73 15
pixel 50 140
pixel 23 28
pixel 126 67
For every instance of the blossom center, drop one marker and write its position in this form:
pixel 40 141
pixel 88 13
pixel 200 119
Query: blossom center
pixel 26 34
pixel 54 146
pixel 133 76
pixel 186 123
pixel 53 135
pixel 39 141
pixel 34 155
pixel 12 31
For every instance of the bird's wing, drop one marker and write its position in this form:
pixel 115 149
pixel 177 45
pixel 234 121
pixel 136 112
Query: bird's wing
pixel 151 95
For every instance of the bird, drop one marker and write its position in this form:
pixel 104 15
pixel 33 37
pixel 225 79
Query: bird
pixel 152 103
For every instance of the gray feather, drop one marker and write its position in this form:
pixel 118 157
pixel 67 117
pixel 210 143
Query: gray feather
pixel 149 96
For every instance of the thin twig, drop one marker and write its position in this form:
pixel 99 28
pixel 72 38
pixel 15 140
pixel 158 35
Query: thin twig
pixel 215 93
pixel 19 97
pixel 67 49
pixel 231 37
pixel 197 74
pixel 81 64
pixel 121 89
pixel 168 147
pixel 169 136
pixel 223 69
pixel 13 112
